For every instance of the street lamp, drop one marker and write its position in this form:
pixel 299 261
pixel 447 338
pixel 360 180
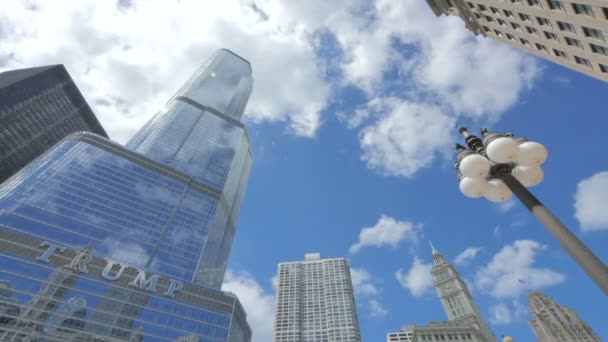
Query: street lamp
pixel 497 166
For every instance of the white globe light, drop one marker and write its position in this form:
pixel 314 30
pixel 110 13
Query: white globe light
pixel 528 175
pixel 474 166
pixel 503 150
pixel 531 153
pixel 497 191
pixel 473 187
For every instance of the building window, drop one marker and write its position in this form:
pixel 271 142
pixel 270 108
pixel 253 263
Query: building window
pixel 525 17
pixel 516 2
pixel 531 30
pixel 543 21
pixel 477 15
pixel 498 33
pixel 566 27
pixel 534 3
pixel 494 10
pixel 524 41
pixel 541 47
pixel 582 9
pixel 471 6
pixel 508 13
pixel 489 19
pixel 599 49
pixel 574 42
pixel 560 53
pixel 556 5
pixel 582 61
pixel 604 68
pixel 482 8
pixel 485 28
pixel 605 10
pixel 510 36
pixel 551 35
pixel 591 32
pixel 501 22
pixel 515 26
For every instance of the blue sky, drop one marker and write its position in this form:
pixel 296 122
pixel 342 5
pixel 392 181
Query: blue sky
pixel 352 121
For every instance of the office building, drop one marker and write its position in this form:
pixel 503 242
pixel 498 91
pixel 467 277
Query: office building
pixel 39 107
pixel 102 242
pixel 315 301
pixel 553 323
pixel 572 33
pixel 465 322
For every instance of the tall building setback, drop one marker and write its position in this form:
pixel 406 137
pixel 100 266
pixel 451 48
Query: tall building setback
pixel 315 302
pixel 101 242
pixel 465 322
pixel 39 107
pixel 572 33
pixel 553 323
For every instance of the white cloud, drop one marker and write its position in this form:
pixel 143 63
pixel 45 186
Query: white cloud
pixel 127 61
pixel 506 205
pixel 362 282
pixel 500 314
pixel 505 313
pixel 591 202
pixel 449 62
pixel 418 278
pixel 258 304
pixel 406 137
pixel 444 73
pixel 376 309
pixel 367 293
pixel 466 255
pixel 386 232
pixel 512 271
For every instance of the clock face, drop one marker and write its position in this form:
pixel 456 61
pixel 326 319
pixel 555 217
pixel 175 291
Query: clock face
pixel 447 287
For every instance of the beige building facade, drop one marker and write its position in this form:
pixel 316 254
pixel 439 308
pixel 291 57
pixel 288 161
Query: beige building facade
pixel 553 323
pixel 572 33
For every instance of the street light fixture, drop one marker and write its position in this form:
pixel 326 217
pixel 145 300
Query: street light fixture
pixel 498 166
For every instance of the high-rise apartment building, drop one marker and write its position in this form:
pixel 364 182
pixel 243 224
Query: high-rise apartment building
pixel 553 323
pixel 465 322
pixel 39 107
pixel 136 238
pixel 573 33
pixel 315 302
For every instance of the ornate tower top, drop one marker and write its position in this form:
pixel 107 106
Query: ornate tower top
pixel 437 257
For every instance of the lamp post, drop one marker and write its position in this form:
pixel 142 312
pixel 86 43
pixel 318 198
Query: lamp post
pixel 499 165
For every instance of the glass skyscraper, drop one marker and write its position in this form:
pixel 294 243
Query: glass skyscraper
pixel 102 242
pixel 39 107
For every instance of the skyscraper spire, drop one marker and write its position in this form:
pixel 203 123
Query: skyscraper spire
pixel 433 248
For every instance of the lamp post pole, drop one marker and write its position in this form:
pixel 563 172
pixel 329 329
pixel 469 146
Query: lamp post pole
pixel 585 258
pixel 499 166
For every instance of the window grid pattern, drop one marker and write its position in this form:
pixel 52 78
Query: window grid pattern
pixel 315 303
pixel 79 193
pixel 532 25
pixel 46 108
pixel 42 294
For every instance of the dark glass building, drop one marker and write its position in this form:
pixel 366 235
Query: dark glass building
pixel 101 242
pixel 39 107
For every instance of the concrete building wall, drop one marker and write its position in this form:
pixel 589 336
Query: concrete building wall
pixel 571 33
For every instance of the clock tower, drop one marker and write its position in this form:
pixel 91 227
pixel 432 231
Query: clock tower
pixel 456 297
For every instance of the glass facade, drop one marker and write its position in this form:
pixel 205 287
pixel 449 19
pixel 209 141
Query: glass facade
pixel 199 134
pixel 106 243
pixel 38 107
